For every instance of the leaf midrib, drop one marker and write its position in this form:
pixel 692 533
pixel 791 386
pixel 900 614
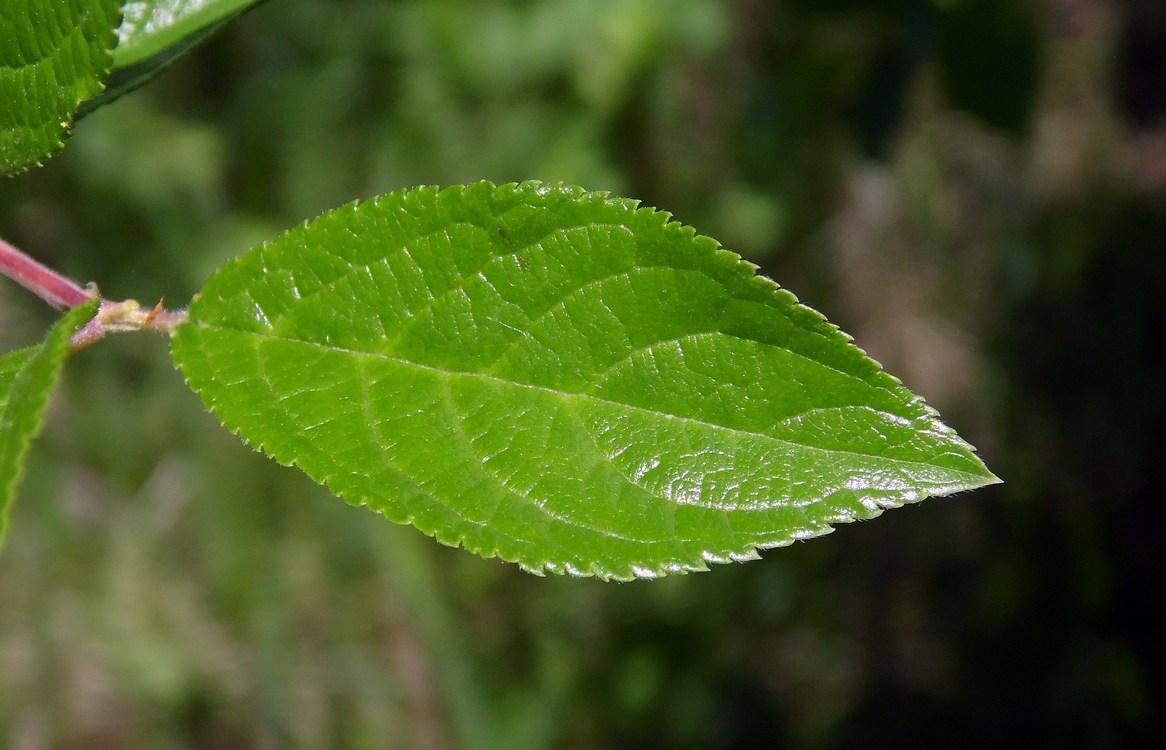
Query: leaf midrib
pixel 574 396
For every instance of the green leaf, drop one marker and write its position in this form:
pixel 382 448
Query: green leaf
pixel 53 55
pixel 27 378
pixel 559 378
pixel 152 28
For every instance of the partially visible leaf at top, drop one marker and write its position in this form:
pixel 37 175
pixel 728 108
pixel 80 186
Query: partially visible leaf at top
pixel 27 379
pixel 151 27
pixel 559 378
pixel 54 54
pixel 156 33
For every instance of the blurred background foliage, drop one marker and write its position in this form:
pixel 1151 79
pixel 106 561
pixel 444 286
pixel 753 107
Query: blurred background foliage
pixel 976 189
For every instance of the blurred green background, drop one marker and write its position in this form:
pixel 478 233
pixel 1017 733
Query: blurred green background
pixel 975 189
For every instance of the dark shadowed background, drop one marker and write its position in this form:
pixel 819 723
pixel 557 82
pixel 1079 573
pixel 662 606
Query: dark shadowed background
pixel 975 189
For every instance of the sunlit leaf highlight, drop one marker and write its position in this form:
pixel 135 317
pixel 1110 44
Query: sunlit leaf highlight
pixel 152 27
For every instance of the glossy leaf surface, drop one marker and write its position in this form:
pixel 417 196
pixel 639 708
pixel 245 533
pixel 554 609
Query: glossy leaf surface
pixel 27 379
pixel 54 54
pixel 559 378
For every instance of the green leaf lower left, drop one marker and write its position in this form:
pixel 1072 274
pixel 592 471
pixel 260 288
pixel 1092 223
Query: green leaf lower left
pixel 27 379
pixel 54 54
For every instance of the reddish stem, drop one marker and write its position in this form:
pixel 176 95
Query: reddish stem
pixel 58 291
pixel 63 294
